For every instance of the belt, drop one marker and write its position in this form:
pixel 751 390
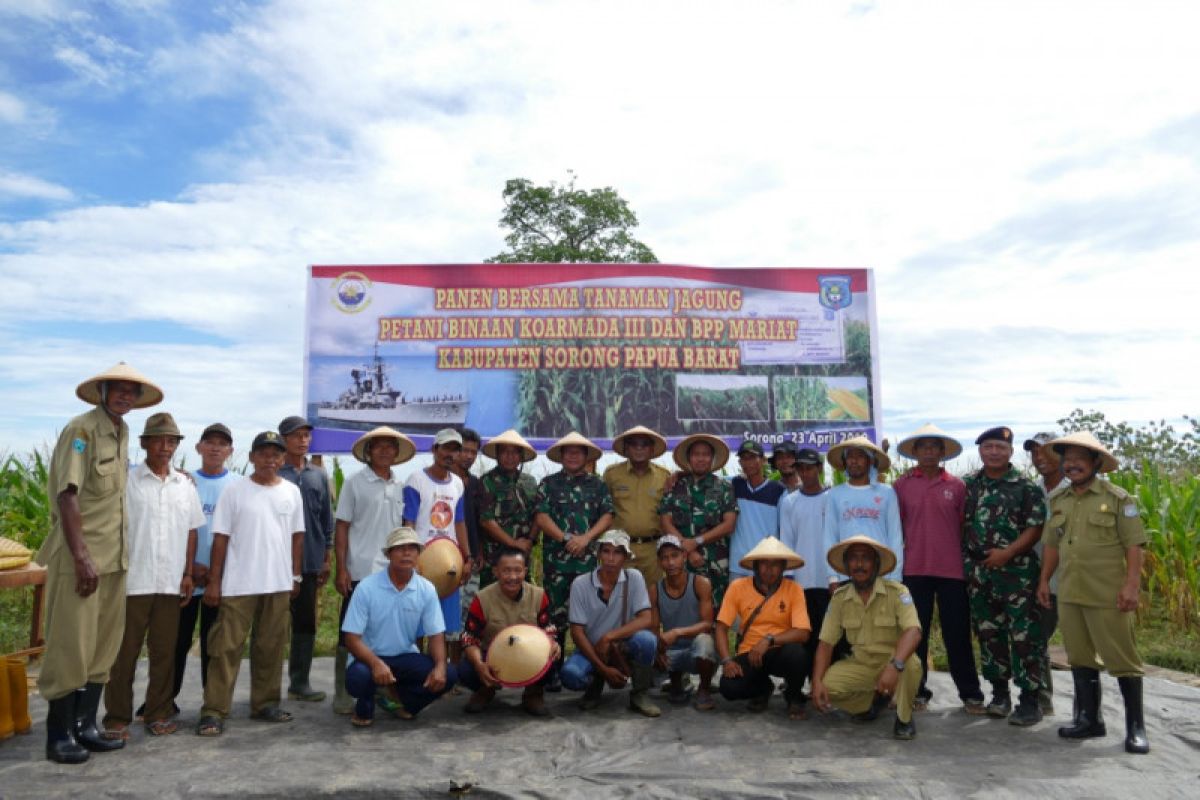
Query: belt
pixel 643 539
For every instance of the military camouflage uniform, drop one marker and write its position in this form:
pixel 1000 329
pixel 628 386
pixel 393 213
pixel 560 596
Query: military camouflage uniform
pixel 508 501
pixel 697 505
pixel 574 503
pixel 1004 610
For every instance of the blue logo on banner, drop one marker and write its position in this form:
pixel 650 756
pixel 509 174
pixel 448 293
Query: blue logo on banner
pixel 834 291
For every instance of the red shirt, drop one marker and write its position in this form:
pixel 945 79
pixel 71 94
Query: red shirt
pixel 931 513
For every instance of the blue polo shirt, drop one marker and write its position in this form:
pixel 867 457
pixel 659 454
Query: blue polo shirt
pixel 390 620
pixel 758 518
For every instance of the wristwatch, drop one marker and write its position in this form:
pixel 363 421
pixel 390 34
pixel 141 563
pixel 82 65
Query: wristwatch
pixel 297 579
pixel 770 637
pixel 898 664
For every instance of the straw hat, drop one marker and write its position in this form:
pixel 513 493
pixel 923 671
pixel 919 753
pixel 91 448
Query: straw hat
pixel 89 390
pixel 657 448
pixel 441 563
pixel 720 450
pixel 161 424
pixel 770 549
pixel 929 431
pixel 1085 439
pixel 405 451
pixel 837 454
pixel 519 655
pixel 836 555
pixel 509 437
pixel 576 439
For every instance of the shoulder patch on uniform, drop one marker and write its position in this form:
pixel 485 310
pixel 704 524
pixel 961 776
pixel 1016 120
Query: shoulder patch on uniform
pixel 1130 510
pixel 1115 490
pixel 78 444
pixel 906 599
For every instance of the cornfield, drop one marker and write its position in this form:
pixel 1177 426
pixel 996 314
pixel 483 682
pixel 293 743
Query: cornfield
pixel 814 399
pixel 736 403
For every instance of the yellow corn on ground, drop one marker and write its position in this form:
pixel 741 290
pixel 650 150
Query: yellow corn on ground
pixel 851 403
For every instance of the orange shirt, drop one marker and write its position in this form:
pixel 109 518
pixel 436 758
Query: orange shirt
pixel 785 610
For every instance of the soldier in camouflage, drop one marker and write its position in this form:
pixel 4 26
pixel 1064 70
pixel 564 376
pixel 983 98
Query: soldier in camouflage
pixel 572 508
pixel 507 505
pixel 1002 522
pixel 701 510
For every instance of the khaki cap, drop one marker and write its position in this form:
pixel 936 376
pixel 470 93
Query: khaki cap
pixel 161 424
pixel 928 431
pixel 573 439
pixel 89 390
pixel 771 549
pixel 658 446
pixel 403 535
pixel 1087 440
pixel 617 538
pixel 720 450
pixel 837 454
pixel 406 448
pixel 837 553
pixel 509 437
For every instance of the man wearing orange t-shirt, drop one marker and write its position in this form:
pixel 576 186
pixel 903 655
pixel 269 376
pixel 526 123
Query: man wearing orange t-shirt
pixel 772 629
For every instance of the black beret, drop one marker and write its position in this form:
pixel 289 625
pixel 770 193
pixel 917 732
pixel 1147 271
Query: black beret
pixel 1000 433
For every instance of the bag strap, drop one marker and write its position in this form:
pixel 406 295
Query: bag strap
pixel 753 616
pixel 625 598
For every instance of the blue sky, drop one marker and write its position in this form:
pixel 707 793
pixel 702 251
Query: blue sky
pixel 1023 177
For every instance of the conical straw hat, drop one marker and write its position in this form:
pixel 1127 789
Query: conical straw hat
pixel 720 450
pixel 929 431
pixel 770 549
pixel 573 438
pixel 1085 439
pixel 658 447
pixel 836 454
pixel 406 450
pixel 836 554
pixel 519 655
pixel 441 563
pixel 89 390
pixel 509 437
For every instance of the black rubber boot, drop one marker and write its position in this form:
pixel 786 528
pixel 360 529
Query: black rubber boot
pixel 1135 724
pixel 87 702
pixel 61 746
pixel 299 665
pixel 1028 711
pixel 1088 722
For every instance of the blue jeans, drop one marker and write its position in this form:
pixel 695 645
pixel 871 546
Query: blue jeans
pixel 410 670
pixel 641 649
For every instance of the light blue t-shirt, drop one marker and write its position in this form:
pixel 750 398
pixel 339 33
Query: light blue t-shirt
pixel 390 620
pixel 758 518
pixel 871 510
pixel 209 487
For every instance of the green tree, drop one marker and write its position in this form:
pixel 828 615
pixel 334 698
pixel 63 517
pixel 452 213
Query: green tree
pixel 561 223
pixel 1156 445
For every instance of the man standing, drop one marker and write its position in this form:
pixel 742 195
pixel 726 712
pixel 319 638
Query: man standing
pixel 877 617
pixel 610 621
pixel 681 616
pixel 1095 535
pixel 931 511
pixel 1049 467
pixel 861 505
pixel 772 629
pixel 802 530
pixel 507 504
pixel 389 610
pixel 573 507
pixel 1003 516
pixel 636 486
pixel 783 458
pixel 370 506
pixel 85 560
pixel 472 491
pixel 758 505
pixel 318 544
pixel 164 512
pixel 701 510
pixel 257 557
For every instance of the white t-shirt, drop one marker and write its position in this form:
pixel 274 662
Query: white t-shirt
pixel 374 507
pixel 433 507
pixel 161 512
pixel 802 528
pixel 260 522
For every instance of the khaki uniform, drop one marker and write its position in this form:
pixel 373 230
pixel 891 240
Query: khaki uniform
pixel 1091 532
pixel 636 498
pixel 83 634
pixel 872 629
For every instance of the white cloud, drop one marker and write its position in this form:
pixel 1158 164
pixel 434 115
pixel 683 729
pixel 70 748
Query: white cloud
pixel 12 110
pixel 27 186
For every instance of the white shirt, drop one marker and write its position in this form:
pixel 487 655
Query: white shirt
pixel 260 522
pixel 802 528
pixel 432 506
pixel 374 507
pixel 161 512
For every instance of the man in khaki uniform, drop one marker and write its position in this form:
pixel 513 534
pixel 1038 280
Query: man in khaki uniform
pixel 85 561
pixel 636 486
pixel 1095 533
pixel 880 621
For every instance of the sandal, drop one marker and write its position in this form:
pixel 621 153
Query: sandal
pixel 271 714
pixel 759 704
pixel 118 732
pixel 210 726
pixel 391 704
pixel 361 722
pixel 161 727
pixel 797 711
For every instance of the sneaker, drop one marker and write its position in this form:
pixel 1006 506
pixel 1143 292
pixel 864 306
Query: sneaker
pixel 1027 712
pixel 1001 706
pixel 975 707
pixel 904 730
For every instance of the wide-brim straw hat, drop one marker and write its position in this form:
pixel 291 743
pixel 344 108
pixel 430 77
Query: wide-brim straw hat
pixel 1108 462
pixel 771 549
pixel 512 438
pixel 441 563
pixel 837 454
pixel 658 447
pixel 836 554
pixel 929 431
pixel 573 439
pixel 720 450
pixel 89 390
pixel 519 655
pixel 405 451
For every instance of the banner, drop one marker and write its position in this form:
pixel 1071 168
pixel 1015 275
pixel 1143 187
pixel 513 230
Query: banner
pixel 763 354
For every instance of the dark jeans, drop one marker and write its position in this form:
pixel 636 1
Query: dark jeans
pixel 304 607
pixel 789 661
pixel 817 603
pixel 183 642
pixel 954 612
pixel 410 670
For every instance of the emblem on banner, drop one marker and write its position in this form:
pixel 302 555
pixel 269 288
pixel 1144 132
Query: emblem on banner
pixel 350 292
pixel 834 291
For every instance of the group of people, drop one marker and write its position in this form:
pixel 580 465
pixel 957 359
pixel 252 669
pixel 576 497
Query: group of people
pixel 647 570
